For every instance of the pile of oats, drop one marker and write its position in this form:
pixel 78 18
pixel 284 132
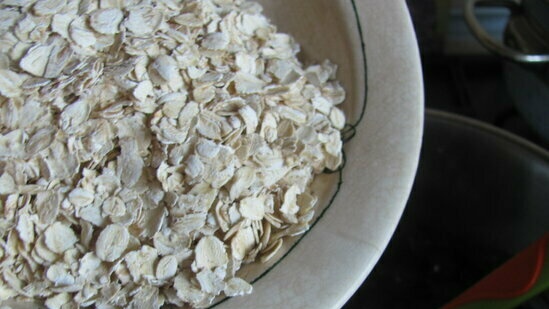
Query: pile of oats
pixel 149 148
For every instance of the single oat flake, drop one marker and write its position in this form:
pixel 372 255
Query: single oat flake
pixel 149 149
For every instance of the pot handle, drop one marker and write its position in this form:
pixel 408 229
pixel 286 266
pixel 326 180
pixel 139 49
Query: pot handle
pixel 491 44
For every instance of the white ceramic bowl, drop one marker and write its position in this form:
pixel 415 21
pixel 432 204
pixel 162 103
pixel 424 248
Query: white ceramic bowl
pixel 374 44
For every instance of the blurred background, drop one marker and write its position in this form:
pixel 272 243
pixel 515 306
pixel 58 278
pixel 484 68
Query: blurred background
pixel 461 76
pixel 481 193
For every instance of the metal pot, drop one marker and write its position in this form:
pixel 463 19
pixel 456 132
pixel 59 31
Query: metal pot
pixel 479 197
pixel 527 33
pixel 526 47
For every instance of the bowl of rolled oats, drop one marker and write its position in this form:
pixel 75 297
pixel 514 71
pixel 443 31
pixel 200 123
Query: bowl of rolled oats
pixel 202 153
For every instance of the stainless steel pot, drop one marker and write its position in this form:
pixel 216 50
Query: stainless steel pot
pixel 527 34
pixel 526 47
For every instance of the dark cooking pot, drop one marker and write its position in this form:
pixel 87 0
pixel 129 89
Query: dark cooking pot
pixel 479 197
pixel 526 47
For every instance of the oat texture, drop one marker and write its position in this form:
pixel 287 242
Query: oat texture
pixel 148 149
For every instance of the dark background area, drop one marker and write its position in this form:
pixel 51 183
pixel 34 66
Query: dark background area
pixel 478 197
